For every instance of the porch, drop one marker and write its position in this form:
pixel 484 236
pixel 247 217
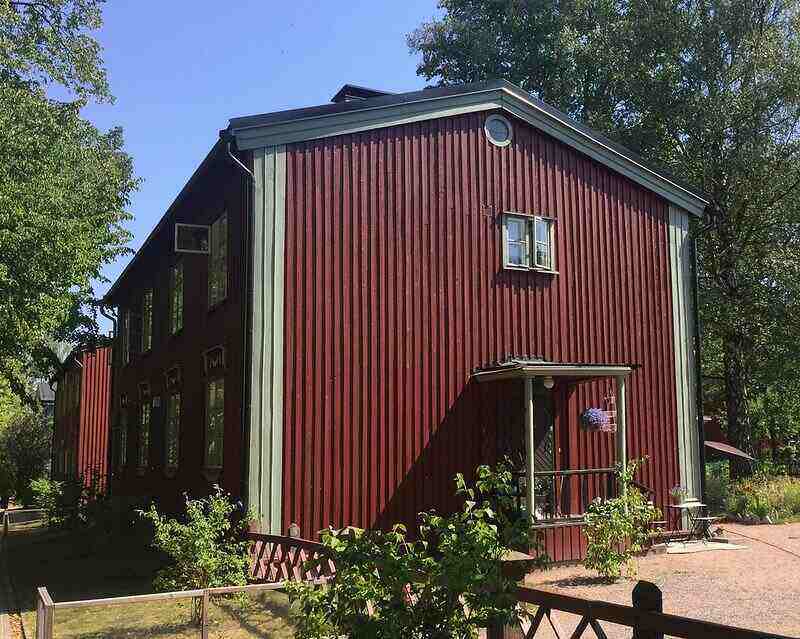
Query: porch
pixel 552 491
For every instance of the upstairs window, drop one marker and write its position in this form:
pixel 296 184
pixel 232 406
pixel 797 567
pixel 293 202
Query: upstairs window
pixel 528 242
pixel 147 320
pixel 215 423
pixel 145 413
pixel 125 336
pixel 176 298
pixel 218 261
pixel 172 432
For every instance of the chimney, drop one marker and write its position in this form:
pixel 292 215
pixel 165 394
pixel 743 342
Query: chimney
pixel 351 92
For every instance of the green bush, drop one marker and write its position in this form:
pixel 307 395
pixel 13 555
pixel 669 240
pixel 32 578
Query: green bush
pixel 762 496
pixel 206 548
pixel 618 528
pixel 48 495
pixel 447 582
pixel 718 487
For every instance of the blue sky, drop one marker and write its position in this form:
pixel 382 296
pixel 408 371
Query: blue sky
pixel 179 70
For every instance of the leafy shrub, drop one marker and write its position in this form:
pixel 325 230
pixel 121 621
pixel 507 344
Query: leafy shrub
pixel 48 495
pixel 618 528
pixel 718 487
pixel 762 496
pixel 448 582
pixel 206 549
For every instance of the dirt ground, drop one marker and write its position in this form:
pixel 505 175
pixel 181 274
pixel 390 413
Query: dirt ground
pixel 757 588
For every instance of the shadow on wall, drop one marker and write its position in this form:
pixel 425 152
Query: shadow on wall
pixel 467 437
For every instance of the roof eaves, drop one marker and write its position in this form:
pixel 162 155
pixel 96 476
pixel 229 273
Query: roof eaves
pixel 109 295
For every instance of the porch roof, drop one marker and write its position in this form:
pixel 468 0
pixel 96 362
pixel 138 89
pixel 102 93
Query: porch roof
pixel 517 367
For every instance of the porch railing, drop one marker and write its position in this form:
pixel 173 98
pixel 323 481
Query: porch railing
pixel 565 494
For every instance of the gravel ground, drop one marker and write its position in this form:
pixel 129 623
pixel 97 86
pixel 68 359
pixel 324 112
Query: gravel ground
pixel 757 588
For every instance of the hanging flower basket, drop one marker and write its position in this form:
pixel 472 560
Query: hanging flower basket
pixel 596 420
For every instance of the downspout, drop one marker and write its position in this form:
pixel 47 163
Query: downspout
pixel 110 447
pixel 701 434
pixel 247 327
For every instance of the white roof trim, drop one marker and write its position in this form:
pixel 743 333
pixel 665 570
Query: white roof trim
pixel 553 370
pixel 561 127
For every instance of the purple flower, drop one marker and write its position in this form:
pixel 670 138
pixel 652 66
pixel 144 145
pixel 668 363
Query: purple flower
pixel 596 419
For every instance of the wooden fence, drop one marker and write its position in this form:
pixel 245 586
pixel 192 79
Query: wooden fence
pixel 644 617
pixel 278 559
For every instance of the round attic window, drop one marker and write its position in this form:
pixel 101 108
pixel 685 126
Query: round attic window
pixel 498 130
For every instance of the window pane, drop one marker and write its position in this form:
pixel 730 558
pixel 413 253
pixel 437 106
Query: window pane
pixel 516 254
pixel 144 436
pixel 173 430
pixel 543 231
pixel 215 423
pixel 176 299
pixel 218 261
pixel 147 320
pixel 516 230
pixel 123 438
pixel 542 255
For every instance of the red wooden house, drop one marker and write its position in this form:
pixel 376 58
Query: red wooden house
pixel 80 418
pixel 347 304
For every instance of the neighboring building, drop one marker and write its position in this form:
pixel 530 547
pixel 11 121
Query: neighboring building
pixel 348 304
pixel 80 425
pixel 46 397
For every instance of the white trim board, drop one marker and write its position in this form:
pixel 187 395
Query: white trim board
pixel 505 97
pixel 265 426
pixel 680 258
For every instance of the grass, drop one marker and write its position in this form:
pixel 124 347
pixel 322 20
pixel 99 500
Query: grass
pixel 77 566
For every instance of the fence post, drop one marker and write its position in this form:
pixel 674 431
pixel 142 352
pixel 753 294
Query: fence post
pixel 44 614
pixel 647 597
pixel 204 615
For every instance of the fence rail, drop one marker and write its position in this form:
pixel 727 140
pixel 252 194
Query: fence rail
pixel 645 617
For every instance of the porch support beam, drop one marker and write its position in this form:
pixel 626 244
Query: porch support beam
pixel 621 440
pixel 530 448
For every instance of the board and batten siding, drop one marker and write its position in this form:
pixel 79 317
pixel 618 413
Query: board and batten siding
pixel 681 268
pixel 265 428
pixel 394 292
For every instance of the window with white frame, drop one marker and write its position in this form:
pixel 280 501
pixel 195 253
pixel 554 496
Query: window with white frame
pixel 145 410
pixel 528 242
pixel 172 432
pixel 147 320
pixel 176 298
pixel 218 261
pixel 215 423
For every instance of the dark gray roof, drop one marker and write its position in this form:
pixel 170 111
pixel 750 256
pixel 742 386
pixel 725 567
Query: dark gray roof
pixel 393 99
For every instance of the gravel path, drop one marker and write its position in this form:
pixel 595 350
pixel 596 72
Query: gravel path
pixel 758 587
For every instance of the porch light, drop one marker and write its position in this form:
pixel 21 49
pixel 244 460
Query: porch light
pixel 548 383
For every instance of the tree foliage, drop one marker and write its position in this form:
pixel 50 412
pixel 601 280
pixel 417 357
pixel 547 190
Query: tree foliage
pixel 711 91
pixel 448 582
pixel 64 185
pixel 24 453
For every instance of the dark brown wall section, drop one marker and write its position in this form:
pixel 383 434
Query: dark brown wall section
pixel 221 188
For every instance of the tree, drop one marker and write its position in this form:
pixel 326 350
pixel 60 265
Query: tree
pixel 25 452
pixel 64 185
pixel 710 90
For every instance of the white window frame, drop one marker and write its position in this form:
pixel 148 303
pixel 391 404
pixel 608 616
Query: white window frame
pixel 125 333
pixel 496 116
pixel 218 261
pixel 530 222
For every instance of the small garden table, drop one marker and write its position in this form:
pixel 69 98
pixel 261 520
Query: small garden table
pixel 699 521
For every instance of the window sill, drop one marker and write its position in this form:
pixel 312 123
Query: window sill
pixel 529 269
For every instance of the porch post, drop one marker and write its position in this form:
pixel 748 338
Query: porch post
pixel 621 442
pixel 530 448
